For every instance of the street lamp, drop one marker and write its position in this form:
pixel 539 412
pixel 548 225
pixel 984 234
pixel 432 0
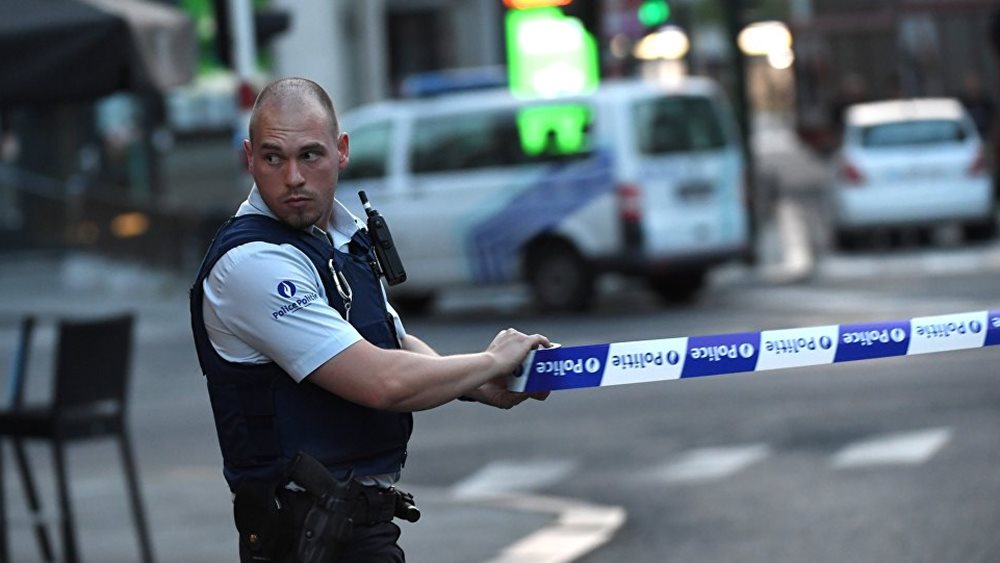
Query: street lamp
pixel 771 39
pixel 670 43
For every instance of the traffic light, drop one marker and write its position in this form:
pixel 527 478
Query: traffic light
pixel 529 4
pixel 653 13
pixel 995 30
pixel 588 12
pixel 268 24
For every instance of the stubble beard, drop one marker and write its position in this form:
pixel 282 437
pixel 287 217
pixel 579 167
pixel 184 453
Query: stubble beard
pixel 301 218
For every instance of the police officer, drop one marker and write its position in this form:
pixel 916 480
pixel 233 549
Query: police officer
pixel 302 352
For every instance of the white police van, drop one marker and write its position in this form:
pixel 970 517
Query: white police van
pixel 483 188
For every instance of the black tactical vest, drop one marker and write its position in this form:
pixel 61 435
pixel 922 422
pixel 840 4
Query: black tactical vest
pixel 262 417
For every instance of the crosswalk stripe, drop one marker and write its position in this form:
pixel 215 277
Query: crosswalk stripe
pixel 501 477
pixel 702 464
pixel 909 448
pixel 708 464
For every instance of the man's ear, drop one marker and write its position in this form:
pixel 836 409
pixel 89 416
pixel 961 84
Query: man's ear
pixel 343 150
pixel 248 152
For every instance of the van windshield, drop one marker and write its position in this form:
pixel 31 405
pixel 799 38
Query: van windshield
pixel 677 124
pixel 505 137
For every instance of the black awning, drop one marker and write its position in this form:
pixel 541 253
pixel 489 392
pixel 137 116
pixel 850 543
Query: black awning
pixel 68 50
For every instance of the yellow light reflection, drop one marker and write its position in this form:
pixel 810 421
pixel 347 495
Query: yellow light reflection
pixel 128 225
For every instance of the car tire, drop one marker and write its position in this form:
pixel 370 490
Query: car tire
pixel 677 288
pixel 560 279
pixel 847 240
pixel 980 231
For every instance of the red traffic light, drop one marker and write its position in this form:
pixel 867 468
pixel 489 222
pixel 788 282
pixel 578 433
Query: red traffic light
pixel 528 4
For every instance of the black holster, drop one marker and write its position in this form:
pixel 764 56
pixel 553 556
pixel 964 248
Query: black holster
pixel 328 525
pixel 317 524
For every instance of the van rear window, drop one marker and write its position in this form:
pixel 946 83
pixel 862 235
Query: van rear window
pixel 913 133
pixel 677 124
pixel 510 137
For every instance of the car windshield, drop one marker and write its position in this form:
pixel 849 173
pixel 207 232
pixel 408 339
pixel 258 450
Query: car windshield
pixel 677 124
pixel 912 133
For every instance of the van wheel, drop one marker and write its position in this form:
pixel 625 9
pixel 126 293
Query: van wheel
pixel 677 288
pixel 415 304
pixel 560 279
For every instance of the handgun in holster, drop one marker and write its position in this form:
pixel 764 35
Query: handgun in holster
pixel 329 524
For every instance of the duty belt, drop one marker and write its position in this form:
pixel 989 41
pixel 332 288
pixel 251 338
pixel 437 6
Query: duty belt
pixel 374 506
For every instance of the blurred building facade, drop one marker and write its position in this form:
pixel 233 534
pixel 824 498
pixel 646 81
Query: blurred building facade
pixel 364 51
pixel 361 51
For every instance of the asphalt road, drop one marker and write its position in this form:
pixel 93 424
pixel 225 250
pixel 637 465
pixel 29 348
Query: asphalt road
pixel 885 460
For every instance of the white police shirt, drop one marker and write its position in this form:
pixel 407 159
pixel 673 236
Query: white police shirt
pixel 247 295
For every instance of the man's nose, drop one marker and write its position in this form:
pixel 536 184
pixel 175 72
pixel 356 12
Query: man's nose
pixel 293 174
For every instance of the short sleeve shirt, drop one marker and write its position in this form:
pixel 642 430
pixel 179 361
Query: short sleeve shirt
pixel 247 301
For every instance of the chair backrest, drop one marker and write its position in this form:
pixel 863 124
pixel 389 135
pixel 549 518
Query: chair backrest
pixel 19 364
pixel 93 362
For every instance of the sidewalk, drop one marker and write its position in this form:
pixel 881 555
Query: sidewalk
pixel 186 501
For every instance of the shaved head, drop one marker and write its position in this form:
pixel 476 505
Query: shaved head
pixel 289 94
pixel 295 152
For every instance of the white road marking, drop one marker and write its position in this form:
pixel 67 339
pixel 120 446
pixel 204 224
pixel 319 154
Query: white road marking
pixel 709 464
pixel 909 448
pixel 512 476
pixel 579 528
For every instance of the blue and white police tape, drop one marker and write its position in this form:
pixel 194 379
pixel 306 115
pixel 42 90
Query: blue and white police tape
pixel 603 365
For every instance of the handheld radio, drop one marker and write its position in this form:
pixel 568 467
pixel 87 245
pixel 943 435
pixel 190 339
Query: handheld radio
pixel 385 250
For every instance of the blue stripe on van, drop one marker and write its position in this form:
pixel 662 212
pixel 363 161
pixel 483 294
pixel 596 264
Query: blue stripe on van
pixel 493 245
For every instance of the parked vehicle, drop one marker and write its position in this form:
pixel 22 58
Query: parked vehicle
pixel 911 163
pixel 484 188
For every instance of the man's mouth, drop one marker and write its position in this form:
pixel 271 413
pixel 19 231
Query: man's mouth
pixel 297 201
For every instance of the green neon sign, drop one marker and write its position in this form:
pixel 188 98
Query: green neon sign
pixel 550 54
pixel 554 130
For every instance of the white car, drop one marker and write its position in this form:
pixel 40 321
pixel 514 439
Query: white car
pixel 911 163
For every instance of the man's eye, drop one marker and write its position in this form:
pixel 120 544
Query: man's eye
pixel 310 156
pixel 271 159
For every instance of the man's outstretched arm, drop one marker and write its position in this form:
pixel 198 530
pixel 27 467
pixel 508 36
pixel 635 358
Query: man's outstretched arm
pixel 416 378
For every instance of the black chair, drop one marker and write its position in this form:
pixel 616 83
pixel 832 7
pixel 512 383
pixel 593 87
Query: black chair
pixel 15 393
pixel 92 365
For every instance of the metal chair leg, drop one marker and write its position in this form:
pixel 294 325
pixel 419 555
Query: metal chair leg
pixel 70 554
pixel 4 548
pixel 138 515
pixel 41 530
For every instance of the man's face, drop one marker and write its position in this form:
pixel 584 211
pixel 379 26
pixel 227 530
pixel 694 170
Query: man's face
pixel 296 160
